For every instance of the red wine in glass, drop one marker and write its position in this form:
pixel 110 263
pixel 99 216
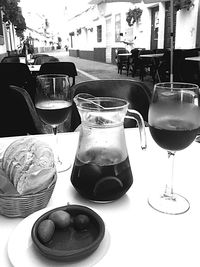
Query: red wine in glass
pixel 174 122
pixel 53 103
pixel 53 112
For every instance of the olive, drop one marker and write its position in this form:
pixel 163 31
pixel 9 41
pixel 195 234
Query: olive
pixel 61 218
pixel 46 230
pixel 81 221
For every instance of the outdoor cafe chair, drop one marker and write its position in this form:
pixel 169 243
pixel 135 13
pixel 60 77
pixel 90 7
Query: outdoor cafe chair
pixel 134 62
pixel 25 119
pixel 68 68
pixel 18 74
pixel 146 64
pixel 44 58
pixel 17 117
pixel 135 92
pixel 122 61
pixel 164 66
pixel 190 68
pixel 34 56
pixel 10 59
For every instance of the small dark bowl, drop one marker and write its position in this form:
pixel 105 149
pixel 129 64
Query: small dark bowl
pixel 70 244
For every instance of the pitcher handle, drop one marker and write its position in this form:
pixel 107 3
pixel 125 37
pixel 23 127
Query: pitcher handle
pixel 140 122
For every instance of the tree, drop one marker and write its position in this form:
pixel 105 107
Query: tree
pixel 12 14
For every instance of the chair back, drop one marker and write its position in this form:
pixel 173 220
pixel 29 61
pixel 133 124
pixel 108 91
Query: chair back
pixel 68 68
pixel 39 126
pixel 190 69
pixel 164 66
pixel 136 93
pixel 34 56
pixel 17 117
pixel 10 59
pixel 43 59
pixel 18 74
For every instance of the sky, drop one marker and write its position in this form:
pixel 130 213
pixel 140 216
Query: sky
pixel 54 10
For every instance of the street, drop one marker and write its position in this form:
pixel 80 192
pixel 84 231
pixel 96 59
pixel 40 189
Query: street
pixel 93 70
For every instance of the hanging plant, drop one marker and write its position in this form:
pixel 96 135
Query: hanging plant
pixel 183 4
pixel 133 15
pixel 78 31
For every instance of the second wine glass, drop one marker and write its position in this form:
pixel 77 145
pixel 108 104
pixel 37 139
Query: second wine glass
pixel 53 103
pixel 174 121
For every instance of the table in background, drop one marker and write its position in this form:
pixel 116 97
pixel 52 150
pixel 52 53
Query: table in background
pixel 197 58
pixel 139 235
pixel 34 68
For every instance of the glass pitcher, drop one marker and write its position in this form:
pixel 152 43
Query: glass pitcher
pixel 101 170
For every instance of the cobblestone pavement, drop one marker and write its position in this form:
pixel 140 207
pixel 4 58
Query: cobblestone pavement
pixel 91 70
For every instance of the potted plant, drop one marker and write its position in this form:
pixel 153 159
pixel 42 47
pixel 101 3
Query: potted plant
pixel 183 4
pixel 133 15
pixel 78 31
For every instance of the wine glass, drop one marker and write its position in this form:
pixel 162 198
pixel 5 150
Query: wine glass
pixel 53 103
pixel 174 121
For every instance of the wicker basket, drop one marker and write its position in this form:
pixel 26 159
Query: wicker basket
pixel 24 205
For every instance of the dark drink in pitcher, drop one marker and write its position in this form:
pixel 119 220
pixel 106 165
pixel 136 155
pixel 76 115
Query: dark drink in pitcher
pixel 101 175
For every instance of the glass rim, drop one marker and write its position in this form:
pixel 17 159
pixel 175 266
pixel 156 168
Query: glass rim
pixel 122 103
pixel 176 85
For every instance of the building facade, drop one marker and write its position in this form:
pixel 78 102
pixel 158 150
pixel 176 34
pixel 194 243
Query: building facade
pixel 97 31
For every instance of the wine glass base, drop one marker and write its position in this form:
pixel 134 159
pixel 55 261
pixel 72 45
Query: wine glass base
pixel 62 166
pixel 175 204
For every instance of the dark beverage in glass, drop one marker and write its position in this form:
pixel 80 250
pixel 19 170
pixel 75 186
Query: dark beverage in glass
pixel 174 121
pixel 53 112
pixel 101 178
pixel 53 100
pixel 174 138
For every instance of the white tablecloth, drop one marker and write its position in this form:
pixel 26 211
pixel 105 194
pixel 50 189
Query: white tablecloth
pixel 138 235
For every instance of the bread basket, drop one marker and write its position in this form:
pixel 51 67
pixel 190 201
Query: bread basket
pixel 24 205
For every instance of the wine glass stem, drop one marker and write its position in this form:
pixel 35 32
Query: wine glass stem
pixel 55 133
pixel 169 193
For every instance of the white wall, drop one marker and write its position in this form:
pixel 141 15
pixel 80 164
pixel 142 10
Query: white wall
pixel 186 27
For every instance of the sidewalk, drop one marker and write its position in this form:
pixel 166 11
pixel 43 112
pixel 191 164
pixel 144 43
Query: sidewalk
pixel 93 70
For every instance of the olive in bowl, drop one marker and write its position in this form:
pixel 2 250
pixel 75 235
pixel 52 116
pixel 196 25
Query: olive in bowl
pixel 68 233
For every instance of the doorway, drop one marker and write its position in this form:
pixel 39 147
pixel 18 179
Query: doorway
pixel 154 27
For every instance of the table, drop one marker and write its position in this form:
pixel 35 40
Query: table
pixel 152 55
pixel 34 68
pixel 197 58
pixel 138 235
pixel 124 55
pixel 155 62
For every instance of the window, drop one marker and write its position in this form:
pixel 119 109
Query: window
pixel 99 33
pixel 117 27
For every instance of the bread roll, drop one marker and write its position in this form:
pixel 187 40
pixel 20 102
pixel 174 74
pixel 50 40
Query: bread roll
pixel 29 164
